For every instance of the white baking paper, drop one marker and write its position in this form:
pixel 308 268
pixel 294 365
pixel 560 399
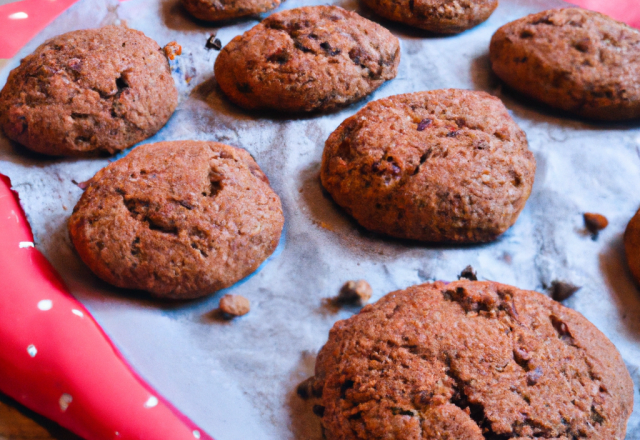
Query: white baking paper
pixel 237 379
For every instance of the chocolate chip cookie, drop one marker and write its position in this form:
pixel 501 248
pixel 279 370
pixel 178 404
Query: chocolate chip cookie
pixel 441 166
pixel 632 245
pixel 88 92
pixel 471 360
pixel 178 219
pixel 579 61
pixel 305 59
pixel 440 16
pixel 216 10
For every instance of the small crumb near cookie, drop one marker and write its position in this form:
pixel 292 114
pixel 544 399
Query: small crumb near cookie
pixel 354 292
pixel 173 49
pixel 234 305
pixel 213 43
pixel 309 388
pixel 595 222
pixel 561 290
pixel 468 274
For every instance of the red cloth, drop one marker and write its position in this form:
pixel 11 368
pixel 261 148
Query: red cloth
pixel 627 11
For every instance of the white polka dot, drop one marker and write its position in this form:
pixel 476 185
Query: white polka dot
pixel 45 304
pixel 77 313
pixel 32 350
pixel 18 16
pixel 153 401
pixel 196 433
pixel 117 434
pixel 65 401
pixel 25 244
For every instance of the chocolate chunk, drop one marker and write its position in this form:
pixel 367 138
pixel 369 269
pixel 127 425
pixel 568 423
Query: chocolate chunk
pixel 213 43
pixel 468 273
pixel 561 290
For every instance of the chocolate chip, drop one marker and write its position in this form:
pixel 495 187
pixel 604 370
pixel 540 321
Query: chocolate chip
pixel 318 410
pixel 561 290
pixel 468 273
pixel 327 48
pixel 213 43
pixel 308 388
pixel 354 292
pixel 534 376
pixel 424 124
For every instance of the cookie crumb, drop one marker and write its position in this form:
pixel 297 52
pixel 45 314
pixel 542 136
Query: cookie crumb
pixel 354 292
pixel 213 43
pixel 595 222
pixel 309 388
pixel 468 273
pixel 173 49
pixel 561 290
pixel 234 305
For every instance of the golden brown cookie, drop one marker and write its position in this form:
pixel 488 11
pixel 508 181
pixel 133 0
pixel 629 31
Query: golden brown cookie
pixel 442 166
pixel 87 92
pixel 305 59
pixel 440 16
pixel 216 10
pixel 632 245
pixel 471 360
pixel 579 61
pixel 178 219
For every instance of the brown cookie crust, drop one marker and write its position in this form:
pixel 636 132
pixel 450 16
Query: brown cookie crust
pixel 471 360
pixel 216 10
pixel 88 92
pixel 576 60
pixel 306 59
pixel 178 219
pixel 632 245
pixel 442 166
pixel 440 16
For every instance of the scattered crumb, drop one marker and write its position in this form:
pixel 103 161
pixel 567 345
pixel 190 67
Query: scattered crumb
pixel 561 290
pixel 595 222
pixel 468 273
pixel 354 292
pixel 64 207
pixel 81 185
pixel 324 225
pixel 173 49
pixel 309 388
pixel 234 305
pixel 213 43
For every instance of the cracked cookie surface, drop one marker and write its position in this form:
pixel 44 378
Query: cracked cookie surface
pixel 178 219
pixel 576 60
pixel 440 16
pixel 88 92
pixel 215 10
pixel 442 166
pixel 471 360
pixel 307 59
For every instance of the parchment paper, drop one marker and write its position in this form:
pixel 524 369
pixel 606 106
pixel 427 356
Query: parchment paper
pixel 237 379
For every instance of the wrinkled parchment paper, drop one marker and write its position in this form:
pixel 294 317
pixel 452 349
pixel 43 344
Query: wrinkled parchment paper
pixel 237 379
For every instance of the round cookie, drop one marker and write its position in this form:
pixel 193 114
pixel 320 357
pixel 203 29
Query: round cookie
pixel 441 166
pixel 576 60
pixel 471 360
pixel 306 59
pixel 632 245
pixel 440 16
pixel 178 219
pixel 88 92
pixel 216 10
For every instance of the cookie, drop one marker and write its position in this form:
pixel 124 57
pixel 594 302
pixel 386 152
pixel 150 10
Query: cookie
pixel 178 219
pixel 216 10
pixel 441 166
pixel 306 59
pixel 439 16
pixel 632 245
pixel 88 92
pixel 575 60
pixel 471 360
